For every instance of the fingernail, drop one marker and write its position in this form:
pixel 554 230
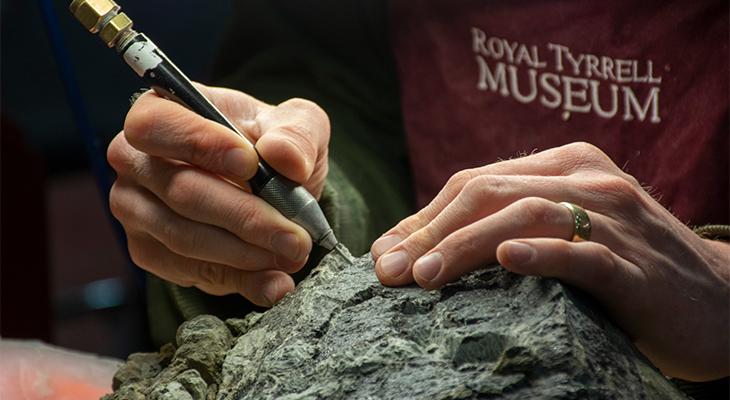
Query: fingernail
pixel 384 244
pixel 394 264
pixel 428 267
pixel 287 245
pixel 236 162
pixel 270 291
pixel 519 253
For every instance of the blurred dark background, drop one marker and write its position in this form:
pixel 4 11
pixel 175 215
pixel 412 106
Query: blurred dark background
pixel 64 273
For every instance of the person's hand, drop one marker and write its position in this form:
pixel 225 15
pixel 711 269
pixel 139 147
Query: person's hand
pixel 665 286
pixel 182 197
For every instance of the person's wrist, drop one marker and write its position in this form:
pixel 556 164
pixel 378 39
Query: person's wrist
pixel 719 261
pixel 719 257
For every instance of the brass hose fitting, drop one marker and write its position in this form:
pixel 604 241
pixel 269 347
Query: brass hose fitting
pixel 102 17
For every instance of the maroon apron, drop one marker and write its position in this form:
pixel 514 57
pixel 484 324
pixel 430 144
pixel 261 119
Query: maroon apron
pixel 647 82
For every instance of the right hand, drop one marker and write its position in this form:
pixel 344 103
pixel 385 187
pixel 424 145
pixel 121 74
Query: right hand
pixel 182 197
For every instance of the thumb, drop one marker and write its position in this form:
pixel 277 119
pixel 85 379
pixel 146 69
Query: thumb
pixel 590 266
pixel 294 141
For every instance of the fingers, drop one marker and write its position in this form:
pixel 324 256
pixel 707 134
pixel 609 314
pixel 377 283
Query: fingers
pixel 140 211
pixel 292 137
pixel 263 288
pixel 423 217
pixel 162 128
pixel 480 197
pixel 238 107
pixel 590 266
pixel 295 140
pixel 456 231
pixel 451 245
pixel 572 159
pixel 203 197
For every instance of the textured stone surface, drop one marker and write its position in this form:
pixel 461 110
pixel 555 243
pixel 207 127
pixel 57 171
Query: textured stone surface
pixel 190 371
pixel 342 335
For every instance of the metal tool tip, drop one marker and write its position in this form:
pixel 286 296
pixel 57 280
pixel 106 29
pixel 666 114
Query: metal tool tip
pixel 341 250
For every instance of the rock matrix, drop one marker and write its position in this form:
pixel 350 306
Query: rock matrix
pixel 342 335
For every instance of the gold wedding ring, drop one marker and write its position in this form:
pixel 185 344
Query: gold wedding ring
pixel 581 222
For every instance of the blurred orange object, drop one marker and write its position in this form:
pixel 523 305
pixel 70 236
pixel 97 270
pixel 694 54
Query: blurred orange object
pixel 36 371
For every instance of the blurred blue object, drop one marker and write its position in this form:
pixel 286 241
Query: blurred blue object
pixel 106 293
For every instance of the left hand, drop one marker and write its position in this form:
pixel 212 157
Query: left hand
pixel 664 285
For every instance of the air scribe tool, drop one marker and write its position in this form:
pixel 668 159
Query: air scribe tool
pixel 151 64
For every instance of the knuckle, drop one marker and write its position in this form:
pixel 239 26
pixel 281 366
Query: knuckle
pixel 469 200
pixel 301 137
pixel 185 192
pixel 245 286
pixel 204 144
pixel 409 224
pixel 117 206
pixel 178 195
pixel 615 193
pixel 417 221
pixel 583 148
pixel 459 241
pixel 565 249
pixel 126 207
pixel 299 103
pixel 491 182
pixel 620 185
pixel 474 187
pixel 140 121
pixel 201 149
pixel 210 274
pixel 314 121
pixel 450 191
pixel 310 108
pixel 118 154
pixel 460 179
pixel 421 241
pixel 632 180
pixel 147 120
pixel 479 190
pixel 140 253
pixel 603 256
pixel 583 155
pixel 245 216
pixel 183 242
pixel 535 210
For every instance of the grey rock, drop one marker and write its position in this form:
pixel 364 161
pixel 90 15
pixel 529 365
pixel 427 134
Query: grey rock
pixel 193 384
pixel 183 372
pixel 170 391
pixel 202 345
pixel 342 335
